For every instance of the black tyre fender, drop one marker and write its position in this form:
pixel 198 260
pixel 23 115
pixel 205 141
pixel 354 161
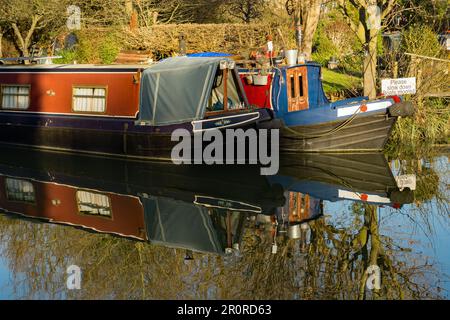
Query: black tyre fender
pixel 402 197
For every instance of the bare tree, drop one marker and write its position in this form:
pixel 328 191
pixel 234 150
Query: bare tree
pixel 104 12
pixel 176 11
pixel 246 10
pixel 32 19
pixel 310 19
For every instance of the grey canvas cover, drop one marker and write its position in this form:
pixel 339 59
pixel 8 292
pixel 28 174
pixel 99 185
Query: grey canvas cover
pixel 180 224
pixel 177 90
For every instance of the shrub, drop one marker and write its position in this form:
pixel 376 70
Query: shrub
pixel 109 49
pixel 324 48
pixel 334 38
pixel 98 47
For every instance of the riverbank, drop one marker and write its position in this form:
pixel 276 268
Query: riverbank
pixel 429 126
pixel 337 84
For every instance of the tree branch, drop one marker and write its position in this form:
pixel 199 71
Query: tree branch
pixel 357 28
pixel 388 8
pixel 18 34
pixel 34 23
pixel 359 3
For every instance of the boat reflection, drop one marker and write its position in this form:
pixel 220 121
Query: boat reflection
pixel 197 208
pixel 334 177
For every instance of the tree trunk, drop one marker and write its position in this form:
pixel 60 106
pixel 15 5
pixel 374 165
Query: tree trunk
pixel 370 67
pixel 367 37
pixel 129 7
pixel 311 18
pixel 371 223
pixel 1 42
pixel 24 43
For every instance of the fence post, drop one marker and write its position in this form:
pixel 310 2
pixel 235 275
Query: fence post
pixel 419 88
pixel 182 44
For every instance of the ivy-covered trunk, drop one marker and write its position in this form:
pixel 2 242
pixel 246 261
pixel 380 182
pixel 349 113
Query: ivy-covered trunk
pixel 311 16
pixel 370 66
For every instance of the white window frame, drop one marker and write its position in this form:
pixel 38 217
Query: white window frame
pixel 93 205
pixel 20 190
pixel 16 95
pixel 89 102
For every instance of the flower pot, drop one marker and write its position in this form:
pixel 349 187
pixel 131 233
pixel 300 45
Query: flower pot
pixel 259 80
pixel 249 79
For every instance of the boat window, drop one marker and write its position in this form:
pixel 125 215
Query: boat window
pixel 19 190
pixel 94 203
pixel 15 96
pixel 234 101
pixel 297 89
pixel 300 84
pixel 216 99
pixel 89 99
pixel 292 87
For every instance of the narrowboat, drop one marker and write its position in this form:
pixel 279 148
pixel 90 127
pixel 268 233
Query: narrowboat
pixel 310 122
pixel 121 110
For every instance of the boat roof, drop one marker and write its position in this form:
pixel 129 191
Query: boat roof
pixel 285 66
pixel 307 64
pixel 71 67
pixel 180 224
pixel 177 89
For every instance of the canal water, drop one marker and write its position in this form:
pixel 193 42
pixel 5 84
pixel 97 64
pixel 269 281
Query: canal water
pixel 365 226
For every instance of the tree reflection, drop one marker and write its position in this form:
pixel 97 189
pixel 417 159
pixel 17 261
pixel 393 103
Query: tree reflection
pixel 325 263
pixel 318 259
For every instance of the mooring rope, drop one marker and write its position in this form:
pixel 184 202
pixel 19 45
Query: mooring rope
pixel 326 133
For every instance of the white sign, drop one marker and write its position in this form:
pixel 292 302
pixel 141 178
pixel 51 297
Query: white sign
pixel 74 20
pixel 394 87
pixel 406 181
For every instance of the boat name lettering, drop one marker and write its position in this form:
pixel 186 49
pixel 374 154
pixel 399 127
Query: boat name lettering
pixel 222 122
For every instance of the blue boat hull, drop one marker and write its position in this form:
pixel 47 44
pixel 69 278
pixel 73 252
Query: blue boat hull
pixel 362 177
pixel 360 134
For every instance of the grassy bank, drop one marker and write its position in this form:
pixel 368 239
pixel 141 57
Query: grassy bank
pixel 338 84
pixel 429 126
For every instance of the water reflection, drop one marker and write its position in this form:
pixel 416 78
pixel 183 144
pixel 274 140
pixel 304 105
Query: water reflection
pixel 141 230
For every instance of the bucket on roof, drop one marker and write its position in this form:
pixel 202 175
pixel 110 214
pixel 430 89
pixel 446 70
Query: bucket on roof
pixel 291 57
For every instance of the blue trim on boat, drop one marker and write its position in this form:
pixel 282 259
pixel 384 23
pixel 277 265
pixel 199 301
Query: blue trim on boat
pixel 316 189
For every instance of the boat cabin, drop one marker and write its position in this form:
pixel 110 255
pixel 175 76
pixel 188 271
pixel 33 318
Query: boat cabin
pixel 184 89
pixel 288 88
pixel 79 90
pixel 171 91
